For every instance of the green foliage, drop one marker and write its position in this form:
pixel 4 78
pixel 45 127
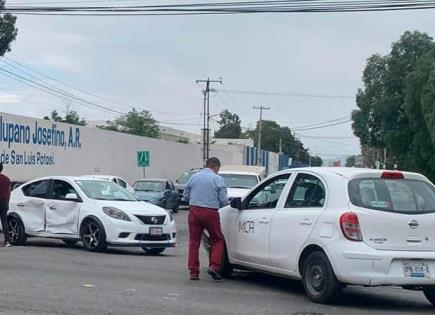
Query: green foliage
pixel 71 118
pixel 272 132
pixel 350 161
pixel 135 123
pixel 230 126
pixel 316 161
pixel 8 31
pixel 396 106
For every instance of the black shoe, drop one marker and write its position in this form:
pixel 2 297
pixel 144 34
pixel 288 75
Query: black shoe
pixel 194 277
pixel 214 274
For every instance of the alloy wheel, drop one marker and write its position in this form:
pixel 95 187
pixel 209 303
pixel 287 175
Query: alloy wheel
pixel 91 235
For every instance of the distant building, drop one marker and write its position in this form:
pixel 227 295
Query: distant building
pixel 245 142
pixel 176 135
pixel 359 161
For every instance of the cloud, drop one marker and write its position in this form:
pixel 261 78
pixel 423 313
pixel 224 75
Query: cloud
pixel 7 98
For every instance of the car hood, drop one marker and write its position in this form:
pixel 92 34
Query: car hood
pixel 133 207
pixel 237 192
pixel 147 195
pixel 180 186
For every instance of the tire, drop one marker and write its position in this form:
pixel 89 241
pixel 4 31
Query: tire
pixel 17 233
pixel 175 208
pixel 153 251
pixel 319 279
pixel 429 293
pixel 70 242
pixel 226 269
pixel 93 235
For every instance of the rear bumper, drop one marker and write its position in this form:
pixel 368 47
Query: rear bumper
pixel 360 264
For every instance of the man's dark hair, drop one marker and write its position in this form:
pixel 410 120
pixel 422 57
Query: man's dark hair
pixel 213 161
pixel 1 167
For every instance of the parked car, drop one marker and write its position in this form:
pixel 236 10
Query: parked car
pixel 118 180
pixel 160 192
pixel 180 183
pixel 100 213
pixel 239 179
pixel 331 227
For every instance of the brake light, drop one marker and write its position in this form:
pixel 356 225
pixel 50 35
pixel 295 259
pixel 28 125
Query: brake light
pixel 349 224
pixel 392 175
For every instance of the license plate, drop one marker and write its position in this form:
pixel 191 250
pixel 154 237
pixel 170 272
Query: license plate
pixel 416 270
pixel 156 231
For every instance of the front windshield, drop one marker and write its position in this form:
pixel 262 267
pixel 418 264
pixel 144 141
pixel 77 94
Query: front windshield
pixel 104 190
pixel 239 181
pixel 149 186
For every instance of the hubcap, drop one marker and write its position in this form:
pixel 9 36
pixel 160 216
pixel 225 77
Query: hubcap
pixel 13 230
pixel 91 235
pixel 316 278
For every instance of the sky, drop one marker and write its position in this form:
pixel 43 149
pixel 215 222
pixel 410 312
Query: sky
pixel 152 63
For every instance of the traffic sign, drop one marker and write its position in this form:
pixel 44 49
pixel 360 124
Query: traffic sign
pixel 143 158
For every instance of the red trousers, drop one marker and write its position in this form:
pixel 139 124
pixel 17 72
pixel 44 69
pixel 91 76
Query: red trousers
pixel 208 219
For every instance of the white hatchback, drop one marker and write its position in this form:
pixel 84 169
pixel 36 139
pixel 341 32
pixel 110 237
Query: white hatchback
pixel 332 227
pixel 97 212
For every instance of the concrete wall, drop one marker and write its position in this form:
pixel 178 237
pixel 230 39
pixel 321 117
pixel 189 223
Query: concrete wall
pixel 94 151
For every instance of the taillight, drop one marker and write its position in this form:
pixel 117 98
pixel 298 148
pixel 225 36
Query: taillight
pixel 392 175
pixel 350 227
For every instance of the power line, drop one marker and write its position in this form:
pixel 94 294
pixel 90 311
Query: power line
pixel 322 122
pixel 287 94
pixel 234 7
pixel 324 126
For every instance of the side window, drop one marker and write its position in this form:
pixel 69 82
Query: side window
pixel 122 183
pixel 267 195
pixel 37 189
pixel 61 189
pixel 307 191
pixel 168 186
pixel 171 185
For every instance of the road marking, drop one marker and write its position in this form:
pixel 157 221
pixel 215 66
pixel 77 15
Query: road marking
pixel 88 286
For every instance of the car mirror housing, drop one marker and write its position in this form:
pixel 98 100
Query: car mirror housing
pixel 72 197
pixel 236 203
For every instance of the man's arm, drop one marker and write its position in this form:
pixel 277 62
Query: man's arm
pixel 222 193
pixel 187 190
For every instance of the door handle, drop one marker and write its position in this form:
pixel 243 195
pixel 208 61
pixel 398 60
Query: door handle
pixel 52 208
pixel 307 222
pixel 264 221
pixel 20 205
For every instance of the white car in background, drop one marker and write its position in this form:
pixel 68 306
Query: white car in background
pixel 97 212
pixel 239 179
pixel 331 227
pixel 118 180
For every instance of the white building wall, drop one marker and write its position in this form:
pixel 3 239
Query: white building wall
pixel 100 152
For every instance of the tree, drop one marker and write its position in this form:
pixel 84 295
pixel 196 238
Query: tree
pixel 230 126
pixel 70 118
pixel 350 161
pixel 8 31
pixel 135 123
pixel 316 161
pixel 396 105
pixel 272 134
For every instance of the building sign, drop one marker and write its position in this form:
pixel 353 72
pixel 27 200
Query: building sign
pixel 37 140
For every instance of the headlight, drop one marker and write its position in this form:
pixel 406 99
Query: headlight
pixel 116 213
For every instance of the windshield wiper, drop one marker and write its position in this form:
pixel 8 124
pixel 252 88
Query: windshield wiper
pixel 240 187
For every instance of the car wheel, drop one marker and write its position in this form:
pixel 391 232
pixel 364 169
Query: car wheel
pixel 70 242
pixel 153 251
pixel 226 268
pixel 17 233
pixel 93 236
pixel 319 279
pixel 429 293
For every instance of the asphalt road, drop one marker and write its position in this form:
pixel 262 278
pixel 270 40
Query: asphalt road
pixel 47 277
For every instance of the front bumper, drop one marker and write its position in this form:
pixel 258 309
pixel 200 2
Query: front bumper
pixel 359 264
pixel 137 234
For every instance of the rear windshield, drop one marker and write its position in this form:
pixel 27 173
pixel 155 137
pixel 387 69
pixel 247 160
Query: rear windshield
pixel 394 195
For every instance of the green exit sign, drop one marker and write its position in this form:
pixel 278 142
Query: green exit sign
pixel 143 158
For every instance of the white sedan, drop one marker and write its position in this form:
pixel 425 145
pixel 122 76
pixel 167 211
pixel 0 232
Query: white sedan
pixel 331 227
pixel 97 212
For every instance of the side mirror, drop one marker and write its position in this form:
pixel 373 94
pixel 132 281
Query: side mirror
pixel 236 203
pixel 72 197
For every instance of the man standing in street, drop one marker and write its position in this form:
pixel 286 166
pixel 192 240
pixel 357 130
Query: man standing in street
pixel 206 193
pixel 5 194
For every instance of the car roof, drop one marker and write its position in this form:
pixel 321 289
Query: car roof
pixel 238 173
pixel 353 172
pixel 72 178
pixel 153 180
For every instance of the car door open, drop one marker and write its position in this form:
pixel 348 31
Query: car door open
pixel 250 233
pixel 61 213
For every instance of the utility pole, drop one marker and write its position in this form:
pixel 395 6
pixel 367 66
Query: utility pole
pixel 206 127
pixel 260 125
